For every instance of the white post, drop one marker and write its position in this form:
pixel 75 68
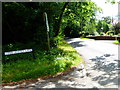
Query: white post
pixel 46 21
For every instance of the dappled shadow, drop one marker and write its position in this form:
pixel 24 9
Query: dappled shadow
pixel 67 80
pixel 108 66
pixel 58 81
pixel 104 79
pixel 74 43
pixel 77 44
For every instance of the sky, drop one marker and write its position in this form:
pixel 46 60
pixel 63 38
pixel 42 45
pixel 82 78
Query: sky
pixel 108 8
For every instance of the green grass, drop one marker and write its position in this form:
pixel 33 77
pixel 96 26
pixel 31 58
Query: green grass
pixel 46 63
pixel 86 38
pixel 116 42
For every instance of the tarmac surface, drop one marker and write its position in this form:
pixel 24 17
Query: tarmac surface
pixel 101 57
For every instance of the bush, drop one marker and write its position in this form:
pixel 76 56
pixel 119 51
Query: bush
pixel 67 31
pixel 72 31
pixel 118 34
pixel 111 32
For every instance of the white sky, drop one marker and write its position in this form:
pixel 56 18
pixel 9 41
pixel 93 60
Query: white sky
pixel 108 8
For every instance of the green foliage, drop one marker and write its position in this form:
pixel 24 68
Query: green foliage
pixel 116 42
pixel 17 46
pixel 91 28
pixel 46 63
pixel 80 14
pixel 19 28
pixel 111 32
pixel 107 19
pixel 28 24
pixel 99 26
pixel 117 28
pixel 118 34
pixel 72 30
pixel 102 33
pixel 111 1
pixel 103 26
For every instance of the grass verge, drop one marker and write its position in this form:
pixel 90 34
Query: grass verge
pixel 47 63
pixel 116 42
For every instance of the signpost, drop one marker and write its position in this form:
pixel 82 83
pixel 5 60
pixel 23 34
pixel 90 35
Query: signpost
pixel 18 52
pixel 46 22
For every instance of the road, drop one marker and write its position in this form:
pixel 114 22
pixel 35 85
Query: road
pixel 101 59
pixel 101 70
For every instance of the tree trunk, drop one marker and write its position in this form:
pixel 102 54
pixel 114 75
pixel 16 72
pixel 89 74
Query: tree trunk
pixel 60 19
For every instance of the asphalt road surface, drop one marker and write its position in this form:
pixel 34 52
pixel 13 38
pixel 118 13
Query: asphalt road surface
pixel 101 57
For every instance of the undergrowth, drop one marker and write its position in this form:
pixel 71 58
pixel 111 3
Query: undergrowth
pixel 46 63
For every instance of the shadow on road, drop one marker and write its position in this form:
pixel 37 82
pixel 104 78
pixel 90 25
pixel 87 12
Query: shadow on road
pixel 108 68
pixel 61 81
pixel 77 44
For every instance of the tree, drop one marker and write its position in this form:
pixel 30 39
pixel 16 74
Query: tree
pixel 103 25
pixel 15 22
pixel 107 19
pixel 91 27
pixel 60 19
pixel 28 23
pixel 80 14
pixel 117 28
pixel 99 26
